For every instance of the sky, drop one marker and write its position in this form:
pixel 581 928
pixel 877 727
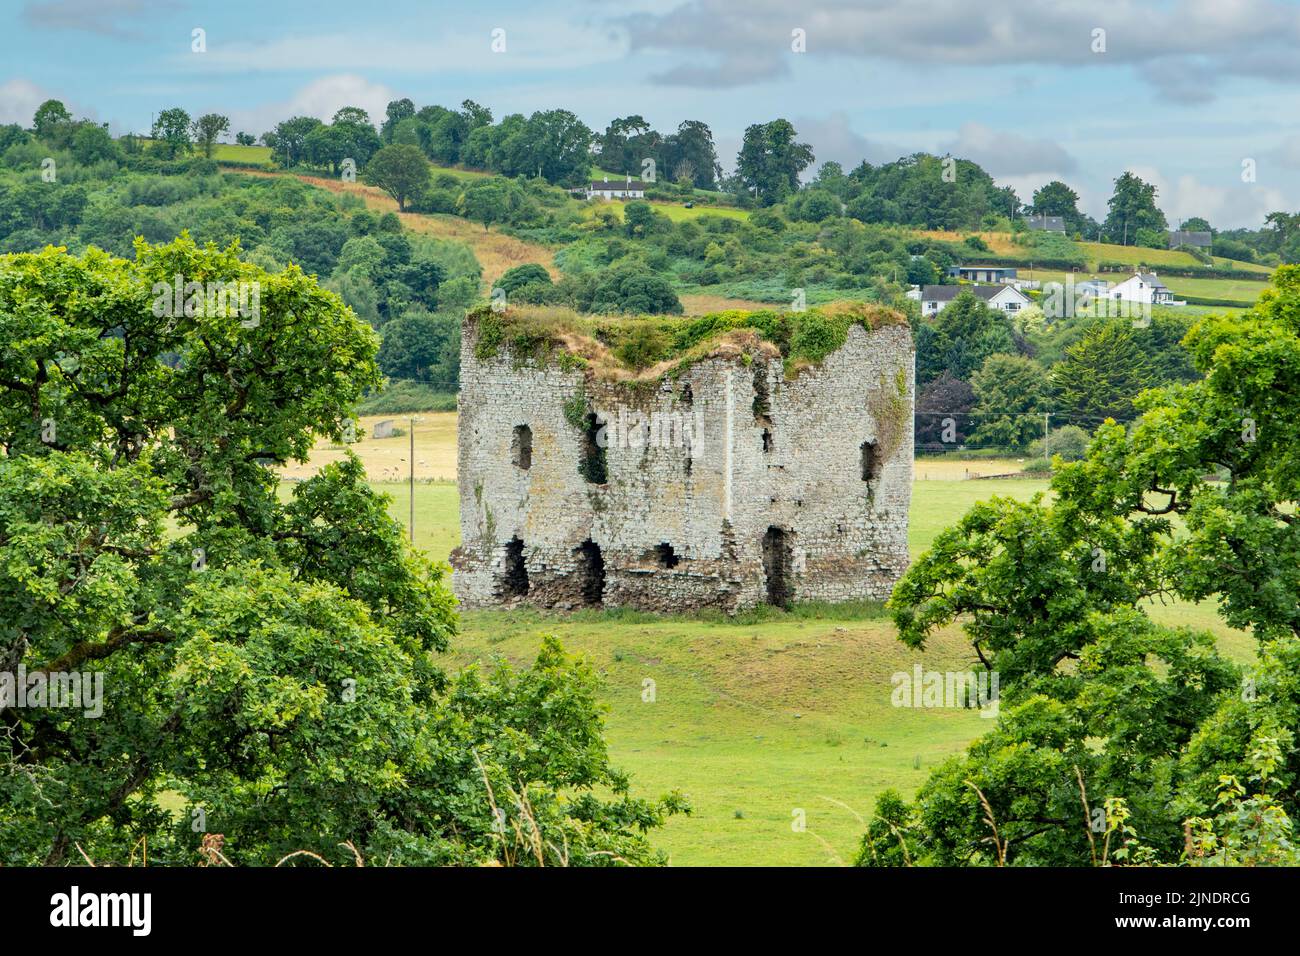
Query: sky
pixel 1200 97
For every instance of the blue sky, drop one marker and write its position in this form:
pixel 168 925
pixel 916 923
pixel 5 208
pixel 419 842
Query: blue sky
pixel 1181 92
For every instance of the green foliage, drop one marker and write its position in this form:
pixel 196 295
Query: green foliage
pixel 398 397
pixel 1009 391
pixel 803 338
pixel 207 128
pixel 1058 199
pixel 631 290
pixel 643 346
pixel 519 276
pixel 816 335
pixel 575 409
pixel 270 662
pixel 171 132
pixel 1147 729
pixel 923 190
pixel 400 171
pixel 1102 374
pixel 422 346
pixel 1132 210
pixel 770 161
pixel 964 335
pixel 1069 442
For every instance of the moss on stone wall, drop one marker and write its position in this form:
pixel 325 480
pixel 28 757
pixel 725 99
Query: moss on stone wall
pixel 635 351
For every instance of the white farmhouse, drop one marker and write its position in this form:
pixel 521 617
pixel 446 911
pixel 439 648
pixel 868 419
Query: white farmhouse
pixel 1144 287
pixel 934 298
pixel 631 189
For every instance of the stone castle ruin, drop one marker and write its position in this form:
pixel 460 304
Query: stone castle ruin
pixel 726 475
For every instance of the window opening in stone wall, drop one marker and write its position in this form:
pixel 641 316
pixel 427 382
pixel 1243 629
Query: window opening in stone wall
pixel 593 466
pixel 515 575
pixel 762 399
pixel 665 555
pixel 591 572
pixel 870 461
pixel 521 448
pixel 777 561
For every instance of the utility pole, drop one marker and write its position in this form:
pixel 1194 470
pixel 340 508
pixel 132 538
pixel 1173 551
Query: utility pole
pixel 1047 455
pixel 410 525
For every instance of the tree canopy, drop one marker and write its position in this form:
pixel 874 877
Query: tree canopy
pixel 269 663
pixel 1118 739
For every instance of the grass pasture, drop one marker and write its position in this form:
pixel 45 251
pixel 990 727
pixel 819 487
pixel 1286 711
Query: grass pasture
pixel 234 153
pixel 756 717
pixel 1134 255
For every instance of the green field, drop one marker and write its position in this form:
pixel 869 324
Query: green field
pixel 764 714
pixel 231 153
pixel 1105 252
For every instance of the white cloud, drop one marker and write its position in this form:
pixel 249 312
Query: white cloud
pixel 1004 153
pixel 1288 153
pixel 19 99
pixel 1180 47
pixel 542 44
pixel 1226 207
pixel 833 138
pixel 321 98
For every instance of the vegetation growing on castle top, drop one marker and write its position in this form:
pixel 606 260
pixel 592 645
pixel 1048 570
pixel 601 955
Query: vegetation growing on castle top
pixel 648 348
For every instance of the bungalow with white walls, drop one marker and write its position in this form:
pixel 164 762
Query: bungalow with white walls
pixel 1006 298
pixel 1144 287
pixel 605 189
pixel 1045 223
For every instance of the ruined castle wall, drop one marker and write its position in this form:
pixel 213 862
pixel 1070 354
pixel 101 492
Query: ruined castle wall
pixel 689 491
pixel 847 536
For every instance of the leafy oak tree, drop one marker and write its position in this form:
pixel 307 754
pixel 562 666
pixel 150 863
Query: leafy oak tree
pixel 1117 739
pixel 770 160
pixel 1133 209
pixel 401 171
pixel 172 130
pixel 267 662
pixel 207 128
pixel 49 119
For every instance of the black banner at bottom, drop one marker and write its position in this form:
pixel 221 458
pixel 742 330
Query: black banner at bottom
pixel 330 906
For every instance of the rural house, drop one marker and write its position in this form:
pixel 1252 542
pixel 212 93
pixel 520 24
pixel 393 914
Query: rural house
pixel 605 189
pixel 934 298
pixel 1196 240
pixel 1045 223
pixel 1144 287
pixel 983 273
pixel 720 479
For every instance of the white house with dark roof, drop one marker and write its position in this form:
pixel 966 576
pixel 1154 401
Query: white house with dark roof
pixel 1192 238
pixel 1045 223
pixel 935 298
pixel 1144 287
pixel 613 189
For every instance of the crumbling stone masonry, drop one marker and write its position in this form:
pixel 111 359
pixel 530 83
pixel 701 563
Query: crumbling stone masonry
pixel 724 486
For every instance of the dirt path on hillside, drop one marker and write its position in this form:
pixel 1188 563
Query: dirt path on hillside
pixel 495 251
